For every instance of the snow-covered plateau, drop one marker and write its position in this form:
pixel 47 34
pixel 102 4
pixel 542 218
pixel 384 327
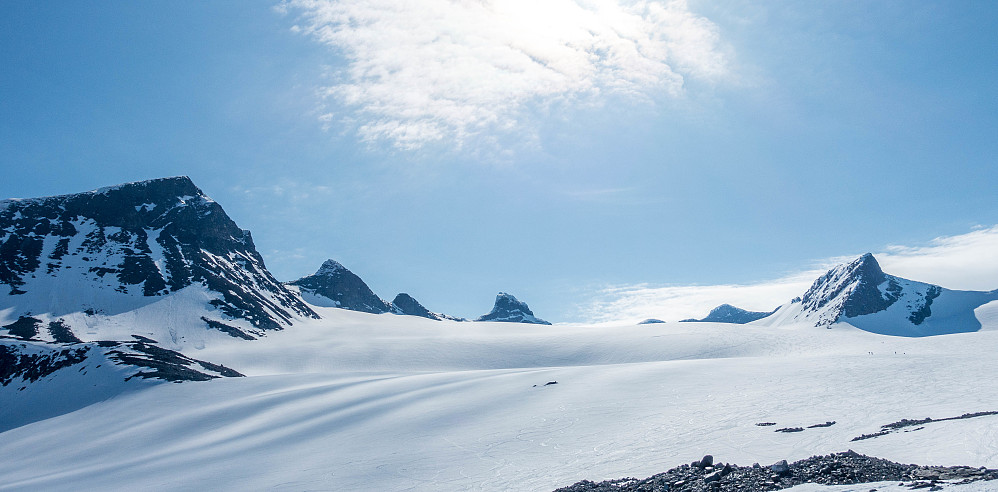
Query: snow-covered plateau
pixel 109 297
pixel 357 401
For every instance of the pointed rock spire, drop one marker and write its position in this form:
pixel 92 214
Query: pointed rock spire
pixel 508 308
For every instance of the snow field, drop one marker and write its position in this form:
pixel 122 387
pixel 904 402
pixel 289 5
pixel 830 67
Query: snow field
pixel 383 402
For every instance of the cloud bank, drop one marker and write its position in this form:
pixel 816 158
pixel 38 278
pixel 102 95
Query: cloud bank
pixel 422 71
pixel 963 262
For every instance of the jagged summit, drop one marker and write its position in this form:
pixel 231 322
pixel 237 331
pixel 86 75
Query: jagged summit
pixel 726 313
pixel 334 285
pixel 849 290
pixel 861 294
pixel 330 267
pixel 508 308
pixel 169 186
pixel 856 285
pixel 120 247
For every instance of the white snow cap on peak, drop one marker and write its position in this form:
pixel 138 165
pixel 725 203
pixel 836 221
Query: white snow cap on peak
pixel 329 266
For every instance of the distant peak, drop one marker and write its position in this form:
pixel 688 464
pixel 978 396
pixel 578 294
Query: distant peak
pixel 508 308
pixel 726 313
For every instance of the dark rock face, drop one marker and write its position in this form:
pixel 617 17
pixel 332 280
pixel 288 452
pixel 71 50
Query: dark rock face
pixel 507 308
pixel 149 238
pixel 919 315
pixel 834 469
pixel 405 304
pixel 726 313
pixel 155 362
pixel 335 282
pixel 24 328
pixel 61 333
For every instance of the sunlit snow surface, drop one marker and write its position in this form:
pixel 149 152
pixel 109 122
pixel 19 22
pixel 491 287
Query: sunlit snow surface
pixel 386 402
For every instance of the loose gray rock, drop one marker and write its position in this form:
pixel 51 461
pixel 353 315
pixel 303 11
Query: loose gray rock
pixel 781 467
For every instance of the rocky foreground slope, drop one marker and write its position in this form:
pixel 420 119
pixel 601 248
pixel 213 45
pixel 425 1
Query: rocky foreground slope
pixel 833 469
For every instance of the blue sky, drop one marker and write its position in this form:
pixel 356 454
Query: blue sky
pixel 562 151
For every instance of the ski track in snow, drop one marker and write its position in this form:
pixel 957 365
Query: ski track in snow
pixel 385 402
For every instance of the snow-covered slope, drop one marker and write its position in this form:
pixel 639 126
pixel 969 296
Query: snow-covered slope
pixel 102 286
pixel 96 260
pixel 39 380
pixel 861 294
pixel 367 402
pixel 508 308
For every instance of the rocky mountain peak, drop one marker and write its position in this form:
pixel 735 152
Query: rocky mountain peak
pixel 861 294
pixel 334 285
pixel 143 239
pixel 330 267
pixel 853 289
pixel 508 308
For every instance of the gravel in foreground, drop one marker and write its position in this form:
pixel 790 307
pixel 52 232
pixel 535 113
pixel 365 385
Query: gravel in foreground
pixel 834 469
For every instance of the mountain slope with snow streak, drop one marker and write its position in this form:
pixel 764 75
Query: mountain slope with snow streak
pixel 86 258
pixel 114 292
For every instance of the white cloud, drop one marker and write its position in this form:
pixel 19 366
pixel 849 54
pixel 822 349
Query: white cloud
pixel 445 70
pixel 677 302
pixel 966 261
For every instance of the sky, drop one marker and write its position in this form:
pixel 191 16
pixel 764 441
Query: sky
pixel 599 159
